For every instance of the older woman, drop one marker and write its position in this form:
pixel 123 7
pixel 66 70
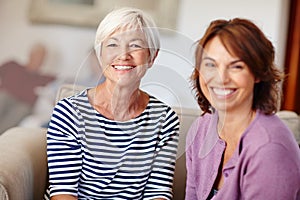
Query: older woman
pixel 115 141
pixel 238 149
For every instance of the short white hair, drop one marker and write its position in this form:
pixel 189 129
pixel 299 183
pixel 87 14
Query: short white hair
pixel 128 18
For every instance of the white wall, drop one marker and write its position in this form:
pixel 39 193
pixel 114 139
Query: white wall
pixel 168 79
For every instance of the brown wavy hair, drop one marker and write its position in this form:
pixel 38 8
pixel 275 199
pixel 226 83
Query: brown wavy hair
pixel 244 39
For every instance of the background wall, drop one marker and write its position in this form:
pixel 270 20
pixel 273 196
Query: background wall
pixel 168 79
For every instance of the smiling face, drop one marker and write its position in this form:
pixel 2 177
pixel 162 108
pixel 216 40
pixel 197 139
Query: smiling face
pixel 225 80
pixel 125 57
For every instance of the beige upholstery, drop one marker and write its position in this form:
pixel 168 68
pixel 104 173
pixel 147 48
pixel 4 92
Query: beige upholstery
pixel 23 163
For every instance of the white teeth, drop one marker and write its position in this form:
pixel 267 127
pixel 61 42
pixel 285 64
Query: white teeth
pixel 120 67
pixel 222 92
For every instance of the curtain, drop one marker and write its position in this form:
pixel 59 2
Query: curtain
pixel 291 86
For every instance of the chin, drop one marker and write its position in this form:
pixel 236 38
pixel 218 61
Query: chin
pixel 222 107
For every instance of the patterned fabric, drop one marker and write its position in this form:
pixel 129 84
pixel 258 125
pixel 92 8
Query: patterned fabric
pixel 93 157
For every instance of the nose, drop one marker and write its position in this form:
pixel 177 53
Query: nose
pixel 223 75
pixel 125 54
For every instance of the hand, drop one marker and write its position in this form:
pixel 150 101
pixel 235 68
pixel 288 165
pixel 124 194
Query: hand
pixel 64 197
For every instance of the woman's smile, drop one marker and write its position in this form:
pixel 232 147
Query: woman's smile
pixel 123 67
pixel 223 92
pixel 225 79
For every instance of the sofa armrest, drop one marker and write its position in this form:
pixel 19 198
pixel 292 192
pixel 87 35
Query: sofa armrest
pixel 23 163
pixel 292 120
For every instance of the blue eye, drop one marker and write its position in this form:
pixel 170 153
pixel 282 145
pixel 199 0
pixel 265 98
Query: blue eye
pixel 209 64
pixel 112 45
pixel 136 46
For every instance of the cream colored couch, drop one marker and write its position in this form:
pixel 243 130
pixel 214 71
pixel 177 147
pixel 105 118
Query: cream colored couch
pixel 23 163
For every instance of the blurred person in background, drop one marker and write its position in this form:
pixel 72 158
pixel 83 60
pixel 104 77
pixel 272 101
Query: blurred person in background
pixel 18 86
pixel 88 74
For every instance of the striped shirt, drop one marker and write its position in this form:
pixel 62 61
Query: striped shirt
pixel 92 157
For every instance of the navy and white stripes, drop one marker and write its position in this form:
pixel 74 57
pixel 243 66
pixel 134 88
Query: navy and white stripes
pixel 93 157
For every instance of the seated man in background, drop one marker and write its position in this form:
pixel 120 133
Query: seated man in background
pixel 18 85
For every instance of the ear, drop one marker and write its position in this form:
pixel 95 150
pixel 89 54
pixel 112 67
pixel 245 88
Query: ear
pixel 153 59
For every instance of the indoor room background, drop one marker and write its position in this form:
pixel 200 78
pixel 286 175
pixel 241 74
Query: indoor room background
pixel 69 45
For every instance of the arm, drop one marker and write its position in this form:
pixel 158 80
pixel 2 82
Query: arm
pixel 190 190
pixel 159 184
pixel 272 173
pixel 63 150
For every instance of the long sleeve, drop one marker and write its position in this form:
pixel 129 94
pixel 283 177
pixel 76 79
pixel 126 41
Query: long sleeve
pixel 280 181
pixel 159 184
pixel 190 193
pixel 63 150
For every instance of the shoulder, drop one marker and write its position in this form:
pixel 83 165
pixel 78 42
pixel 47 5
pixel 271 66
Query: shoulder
pixel 73 102
pixel 11 66
pixel 10 63
pixel 157 106
pixel 199 128
pixel 268 130
pixel 79 96
pixel 156 103
pixel 201 122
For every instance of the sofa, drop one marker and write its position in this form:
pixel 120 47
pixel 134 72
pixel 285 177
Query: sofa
pixel 23 161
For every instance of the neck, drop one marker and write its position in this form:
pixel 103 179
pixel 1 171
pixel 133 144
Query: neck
pixel 233 125
pixel 124 101
pixel 119 103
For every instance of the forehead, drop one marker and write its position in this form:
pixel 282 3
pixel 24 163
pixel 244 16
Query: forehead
pixel 217 47
pixel 128 33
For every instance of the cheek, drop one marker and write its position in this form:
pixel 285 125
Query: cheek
pixel 143 57
pixel 203 86
pixel 205 77
pixel 245 80
pixel 105 63
pixel 207 74
pixel 142 71
pixel 108 55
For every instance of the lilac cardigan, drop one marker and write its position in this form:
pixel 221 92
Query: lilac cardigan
pixel 265 165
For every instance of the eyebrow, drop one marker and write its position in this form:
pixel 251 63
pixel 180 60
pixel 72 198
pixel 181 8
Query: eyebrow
pixel 137 39
pixel 132 40
pixel 208 58
pixel 113 38
pixel 232 62
pixel 236 61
